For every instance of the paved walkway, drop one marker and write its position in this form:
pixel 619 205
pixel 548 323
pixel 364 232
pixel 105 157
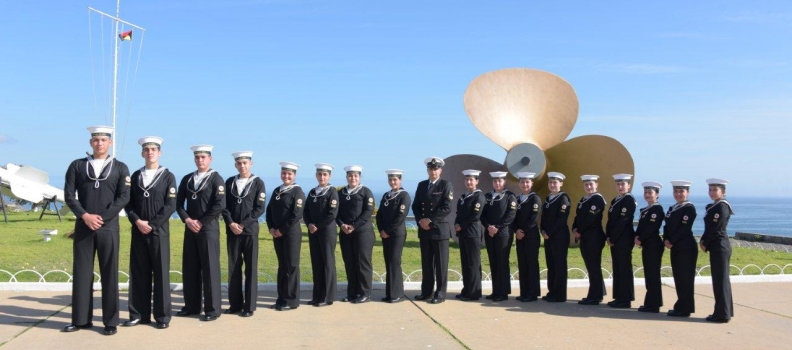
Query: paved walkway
pixel 31 320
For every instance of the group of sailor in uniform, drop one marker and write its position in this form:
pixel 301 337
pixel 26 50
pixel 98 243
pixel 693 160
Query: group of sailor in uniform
pixel 99 186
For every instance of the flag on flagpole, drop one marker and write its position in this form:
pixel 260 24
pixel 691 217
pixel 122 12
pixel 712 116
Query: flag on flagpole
pixel 125 36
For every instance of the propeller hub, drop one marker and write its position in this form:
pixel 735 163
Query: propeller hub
pixel 526 157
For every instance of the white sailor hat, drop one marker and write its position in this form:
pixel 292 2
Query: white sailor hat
pixel 526 175
pixel 242 155
pixel 471 172
pixel 289 166
pixel 324 167
pixel 150 141
pixel 555 175
pixel 498 174
pixel 653 185
pixel 355 168
pixel 395 173
pixel 681 183
pixel 202 149
pixel 622 177
pixel 585 178
pixel 715 181
pixel 434 162
pixel 101 130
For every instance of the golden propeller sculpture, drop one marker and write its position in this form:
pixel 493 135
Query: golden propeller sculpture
pixel 530 113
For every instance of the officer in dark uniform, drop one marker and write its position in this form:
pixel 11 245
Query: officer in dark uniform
pixel 555 232
pixel 526 229
pixel 648 239
pixel 244 207
pixel 101 184
pixel 621 239
pixel 431 208
pixel 357 235
pixel 200 202
pixel 497 218
pixel 284 212
pixel 319 215
pixel 587 228
pixel 715 241
pixel 678 237
pixel 390 222
pixel 470 232
pixel 151 204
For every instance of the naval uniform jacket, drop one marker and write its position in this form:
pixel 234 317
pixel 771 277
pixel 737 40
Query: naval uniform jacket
pixel 246 208
pixel 528 213
pixel 554 217
pixel 620 229
pixel 321 210
pixel 678 229
pixel 285 210
pixel 155 203
pixel 392 213
pixel 588 217
pixel 204 204
pixel 649 225
pixel 716 219
pixel 104 195
pixel 499 211
pixel 468 215
pixel 434 204
pixel 356 210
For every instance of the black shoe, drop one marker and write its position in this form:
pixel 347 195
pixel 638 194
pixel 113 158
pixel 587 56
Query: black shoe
pixel 110 330
pixel 131 323
pixel 529 299
pixel 278 302
pixel 421 297
pixel 386 299
pixel 362 299
pixel 73 327
pixel 231 311
pixel 350 298
pixel 285 308
pixel 396 300
pixel 649 309
pixel 587 301
pixel 459 296
pixel 621 305
pixel 544 297
pixel 489 296
pixel 714 319
pixel 469 299
pixel 554 300
pixel 436 300
pixel 674 313
pixel 323 303
pixel 183 313
pixel 612 302
pixel 162 325
pixel 246 313
pixel 208 318
pixel 499 298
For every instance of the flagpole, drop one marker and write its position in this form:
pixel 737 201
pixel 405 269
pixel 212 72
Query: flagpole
pixel 115 74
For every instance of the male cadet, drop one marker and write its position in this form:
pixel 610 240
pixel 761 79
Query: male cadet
pixel 151 204
pixel 244 206
pixel 431 208
pixel 204 194
pixel 101 184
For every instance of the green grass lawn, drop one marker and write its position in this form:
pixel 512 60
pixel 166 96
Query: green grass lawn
pixel 22 248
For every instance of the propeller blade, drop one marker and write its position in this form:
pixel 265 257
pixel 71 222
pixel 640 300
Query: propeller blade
pixel 520 105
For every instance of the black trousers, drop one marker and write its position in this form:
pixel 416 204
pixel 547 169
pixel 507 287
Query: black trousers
pixel 149 260
pixel 356 250
pixel 201 272
pixel 322 245
pixel 623 278
pixel 470 257
pixel 556 250
pixel 498 249
pixel 103 244
pixel 287 249
pixel 434 267
pixel 591 251
pixel 720 259
pixel 683 265
pixel 394 280
pixel 242 250
pixel 652 256
pixel 528 263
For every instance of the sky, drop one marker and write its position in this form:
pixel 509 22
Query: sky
pixel 692 89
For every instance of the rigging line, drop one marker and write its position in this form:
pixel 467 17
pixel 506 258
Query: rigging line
pixel 93 74
pixel 126 93
pixel 134 83
pixel 104 82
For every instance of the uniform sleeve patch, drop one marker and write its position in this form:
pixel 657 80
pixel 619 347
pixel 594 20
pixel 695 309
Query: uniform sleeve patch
pixel 593 207
pixel 536 206
pixel 624 210
pixel 172 190
pixel 451 195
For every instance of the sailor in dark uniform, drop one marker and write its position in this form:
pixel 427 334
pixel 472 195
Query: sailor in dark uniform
pixel 621 239
pixel 321 209
pixel 390 222
pixel 96 189
pixel 356 235
pixel 151 204
pixel 526 229
pixel 431 207
pixel 678 237
pixel 555 232
pixel 587 229
pixel 497 218
pixel 200 202
pixel 715 241
pixel 244 206
pixel 470 233
pixel 648 239
pixel 284 212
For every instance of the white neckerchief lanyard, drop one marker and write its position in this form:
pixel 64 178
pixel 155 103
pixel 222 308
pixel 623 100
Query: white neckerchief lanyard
pixel 467 195
pixel 496 196
pixel 721 201
pixel 643 210
pixel 281 190
pixel 552 199
pixel 522 201
pixel 97 179
pixel 248 186
pixel 157 176
pixel 349 193
pixel 391 195
pixel 320 191
pixel 204 181
pixel 586 198
pixel 619 199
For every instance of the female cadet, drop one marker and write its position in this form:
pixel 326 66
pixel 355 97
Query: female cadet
pixel 587 228
pixel 648 239
pixel 497 218
pixel 319 216
pixel 470 233
pixel 357 235
pixel 555 231
pixel 526 228
pixel 621 239
pixel 678 237
pixel 284 212
pixel 390 222
pixel 715 241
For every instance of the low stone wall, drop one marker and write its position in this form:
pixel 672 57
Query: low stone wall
pixel 762 238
